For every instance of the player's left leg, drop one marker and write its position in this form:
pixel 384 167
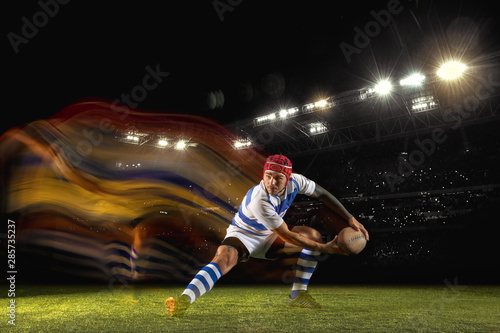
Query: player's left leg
pixel 304 269
pixel 227 256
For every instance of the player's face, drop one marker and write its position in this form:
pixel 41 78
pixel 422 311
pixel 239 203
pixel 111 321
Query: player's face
pixel 274 182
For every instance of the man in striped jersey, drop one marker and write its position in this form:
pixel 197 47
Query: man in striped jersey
pixel 259 231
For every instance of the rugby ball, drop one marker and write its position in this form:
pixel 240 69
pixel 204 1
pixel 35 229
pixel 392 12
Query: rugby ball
pixel 351 241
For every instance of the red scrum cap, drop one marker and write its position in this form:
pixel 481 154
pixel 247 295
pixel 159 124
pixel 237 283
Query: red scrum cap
pixel 279 163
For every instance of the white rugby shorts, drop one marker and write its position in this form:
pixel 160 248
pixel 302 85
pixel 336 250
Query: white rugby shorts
pixel 256 245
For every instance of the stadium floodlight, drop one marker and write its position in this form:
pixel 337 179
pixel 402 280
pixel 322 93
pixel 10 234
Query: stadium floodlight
pixel 287 113
pixel 242 144
pixel 133 138
pixel 413 80
pixel 308 108
pixel 424 103
pixel 265 119
pixel 320 104
pixel 181 145
pixel 424 106
pixel 317 128
pixel 383 87
pixel 162 143
pixel 451 70
pixel 282 114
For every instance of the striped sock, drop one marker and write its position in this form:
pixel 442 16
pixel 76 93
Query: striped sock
pixel 203 281
pixel 304 269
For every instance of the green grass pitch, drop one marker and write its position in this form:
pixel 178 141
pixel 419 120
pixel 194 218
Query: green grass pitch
pixel 257 308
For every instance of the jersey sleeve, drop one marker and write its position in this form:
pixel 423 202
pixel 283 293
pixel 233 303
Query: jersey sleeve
pixel 305 185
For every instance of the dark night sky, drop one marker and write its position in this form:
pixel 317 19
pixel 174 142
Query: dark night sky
pixel 262 54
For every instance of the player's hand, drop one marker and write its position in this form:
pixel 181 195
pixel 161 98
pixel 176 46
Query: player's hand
pixel 332 248
pixel 353 223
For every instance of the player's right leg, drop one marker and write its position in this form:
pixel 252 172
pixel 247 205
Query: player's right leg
pixel 225 258
pixel 304 269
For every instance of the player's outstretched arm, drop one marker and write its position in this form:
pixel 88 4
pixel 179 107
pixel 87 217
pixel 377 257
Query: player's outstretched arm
pixel 334 204
pixel 331 202
pixel 302 241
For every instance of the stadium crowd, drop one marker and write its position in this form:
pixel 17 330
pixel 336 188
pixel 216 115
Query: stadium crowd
pixel 385 168
pixel 429 212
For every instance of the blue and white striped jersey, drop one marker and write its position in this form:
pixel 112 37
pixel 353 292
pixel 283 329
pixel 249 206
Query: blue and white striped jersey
pixel 259 213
